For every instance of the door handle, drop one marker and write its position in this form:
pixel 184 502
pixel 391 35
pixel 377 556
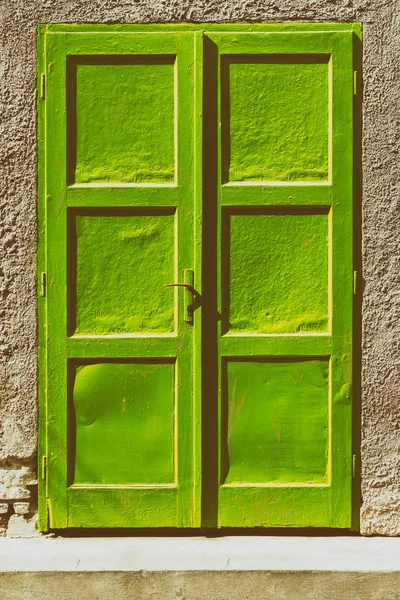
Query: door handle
pixel 190 293
pixel 185 285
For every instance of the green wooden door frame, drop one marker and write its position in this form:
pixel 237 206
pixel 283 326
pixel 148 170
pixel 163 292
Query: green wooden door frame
pixel 211 206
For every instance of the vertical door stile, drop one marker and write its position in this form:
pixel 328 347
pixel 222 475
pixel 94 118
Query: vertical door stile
pixel 342 279
pixel 42 303
pixel 57 377
pixel 185 123
pixel 198 245
pixel 210 250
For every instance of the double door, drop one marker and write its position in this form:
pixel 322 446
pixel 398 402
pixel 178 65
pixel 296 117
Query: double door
pixel 197 285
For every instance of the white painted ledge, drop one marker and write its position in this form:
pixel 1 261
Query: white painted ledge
pixel 197 554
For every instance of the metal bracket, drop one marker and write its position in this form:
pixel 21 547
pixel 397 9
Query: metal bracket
pixel 44 468
pixel 43 86
pixel 43 285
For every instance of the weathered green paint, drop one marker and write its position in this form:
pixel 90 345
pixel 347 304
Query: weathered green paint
pixel 288 26
pixel 242 418
pixel 124 420
pixel 123 262
pixel 275 118
pixel 42 317
pixel 117 109
pixel 276 422
pixel 120 420
pixel 278 272
pixel 284 256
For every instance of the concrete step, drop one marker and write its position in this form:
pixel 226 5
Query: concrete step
pixel 179 568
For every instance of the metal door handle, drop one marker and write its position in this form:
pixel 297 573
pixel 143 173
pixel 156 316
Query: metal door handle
pixel 190 292
pixel 185 285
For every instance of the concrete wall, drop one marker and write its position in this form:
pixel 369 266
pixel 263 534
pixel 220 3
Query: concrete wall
pixel 198 586
pixel 381 215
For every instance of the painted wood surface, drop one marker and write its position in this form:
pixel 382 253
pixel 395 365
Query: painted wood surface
pixel 120 385
pixel 284 258
pixel 226 152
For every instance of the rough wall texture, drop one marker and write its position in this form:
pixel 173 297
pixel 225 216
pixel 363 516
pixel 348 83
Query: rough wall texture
pixel 192 585
pixel 381 210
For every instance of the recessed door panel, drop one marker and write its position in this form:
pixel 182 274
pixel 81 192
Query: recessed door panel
pixel 275 113
pixel 123 119
pixel 123 418
pixel 276 271
pixel 124 258
pixel 276 421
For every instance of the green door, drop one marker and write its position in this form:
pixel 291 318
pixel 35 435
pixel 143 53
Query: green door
pixel 284 278
pixel 120 223
pixel 221 162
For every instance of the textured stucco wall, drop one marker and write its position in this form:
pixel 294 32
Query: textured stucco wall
pixel 381 216
pixel 239 585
